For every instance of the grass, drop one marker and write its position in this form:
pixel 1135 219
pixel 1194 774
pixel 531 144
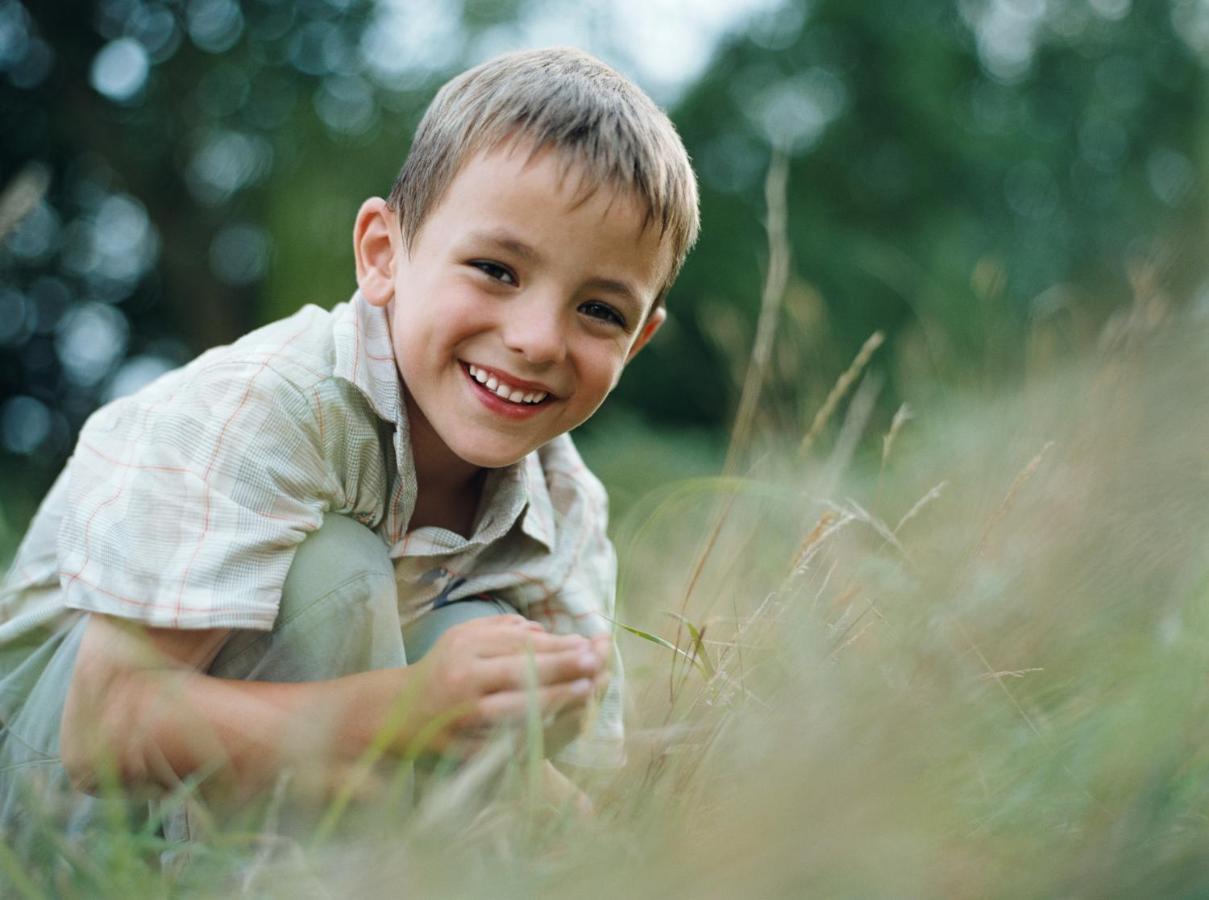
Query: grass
pixel 965 657
pixel 976 667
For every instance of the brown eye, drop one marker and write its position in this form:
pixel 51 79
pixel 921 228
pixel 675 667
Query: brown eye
pixel 494 270
pixel 597 310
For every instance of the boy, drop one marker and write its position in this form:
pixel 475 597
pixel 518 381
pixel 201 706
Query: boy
pixel 369 519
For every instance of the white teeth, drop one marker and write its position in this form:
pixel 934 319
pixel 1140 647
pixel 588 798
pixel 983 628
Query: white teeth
pixel 494 385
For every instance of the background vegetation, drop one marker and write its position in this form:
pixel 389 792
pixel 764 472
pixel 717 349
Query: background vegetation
pixel 938 616
pixel 986 180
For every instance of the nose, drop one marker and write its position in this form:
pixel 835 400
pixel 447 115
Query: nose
pixel 533 327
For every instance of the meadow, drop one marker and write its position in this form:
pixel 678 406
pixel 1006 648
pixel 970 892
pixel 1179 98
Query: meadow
pixel 966 656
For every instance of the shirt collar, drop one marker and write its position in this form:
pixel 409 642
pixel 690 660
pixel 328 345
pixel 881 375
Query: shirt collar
pixel 517 492
pixel 365 358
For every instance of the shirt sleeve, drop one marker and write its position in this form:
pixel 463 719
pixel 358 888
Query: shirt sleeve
pixel 186 502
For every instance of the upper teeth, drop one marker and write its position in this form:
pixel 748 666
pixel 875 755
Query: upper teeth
pixel 507 392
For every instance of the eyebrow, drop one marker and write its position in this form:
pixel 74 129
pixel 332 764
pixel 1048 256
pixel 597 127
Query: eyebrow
pixel 620 288
pixel 507 241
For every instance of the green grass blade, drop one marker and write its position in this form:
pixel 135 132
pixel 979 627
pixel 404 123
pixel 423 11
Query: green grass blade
pixel 14 872
pixel 662 642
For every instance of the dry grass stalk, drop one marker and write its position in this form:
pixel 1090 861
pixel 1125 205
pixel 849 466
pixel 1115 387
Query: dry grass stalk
pixel 852 429
pixel 919 505
pixel 842 385
pixel 901 418
pixel 991 672
pixel 813 537
pixel 770 307
pixel 1011 673
pixel 1017 483
pixel 856 511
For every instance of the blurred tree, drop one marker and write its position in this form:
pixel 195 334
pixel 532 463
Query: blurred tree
pixel 182 143
pixel 962 174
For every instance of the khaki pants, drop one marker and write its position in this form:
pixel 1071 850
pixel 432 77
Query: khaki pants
pixel 338 616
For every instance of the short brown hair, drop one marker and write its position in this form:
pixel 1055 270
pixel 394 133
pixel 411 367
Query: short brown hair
pixel 562 99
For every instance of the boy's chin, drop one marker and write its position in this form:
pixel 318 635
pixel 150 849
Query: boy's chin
pixel 491 457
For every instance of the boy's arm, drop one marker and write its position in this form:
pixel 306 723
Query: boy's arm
pixel 139 706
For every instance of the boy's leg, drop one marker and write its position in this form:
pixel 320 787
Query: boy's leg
pixel 35 793
pixel 338 616
pixel 420 635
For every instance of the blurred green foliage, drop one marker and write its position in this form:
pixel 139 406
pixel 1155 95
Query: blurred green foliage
pixel 988 180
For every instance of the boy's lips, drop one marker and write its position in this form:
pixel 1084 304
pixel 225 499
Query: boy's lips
pixel 486 385
pixel 509 387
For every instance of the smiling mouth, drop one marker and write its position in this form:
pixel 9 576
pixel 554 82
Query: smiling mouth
pixel 505 391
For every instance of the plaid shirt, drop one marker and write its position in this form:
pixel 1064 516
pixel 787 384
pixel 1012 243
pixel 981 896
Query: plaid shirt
pixel 183 503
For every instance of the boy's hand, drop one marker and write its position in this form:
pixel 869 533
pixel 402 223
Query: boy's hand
pixel 477 675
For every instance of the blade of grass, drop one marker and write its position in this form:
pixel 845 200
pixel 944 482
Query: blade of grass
pixel 662 642
pixel 15 874
pixel 1017 483
pixel 698 635
pixel 534 744
pixel 842 385
pixel 772 295
pixel 770 306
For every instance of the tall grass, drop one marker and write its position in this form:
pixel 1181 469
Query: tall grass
pixel 969 660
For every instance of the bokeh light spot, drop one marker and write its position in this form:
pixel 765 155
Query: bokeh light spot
pixel 1111 9
pixel 155 28
pixel 14 317
pixel 14 34
pixel 136 373
pixel 214 25
pixel 25 423
pixel 239 254
pixel 90 341
pixel 1171 176
pixel 120 70
pixel 32 68
pixel 794 113
pixel 226 162
pixel 346 105
pixel 37 236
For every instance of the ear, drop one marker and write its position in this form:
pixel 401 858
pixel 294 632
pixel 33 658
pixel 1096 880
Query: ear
pixel 653 321
pixel 376 240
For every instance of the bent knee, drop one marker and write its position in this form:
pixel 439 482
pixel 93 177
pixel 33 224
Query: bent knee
pixel 342 558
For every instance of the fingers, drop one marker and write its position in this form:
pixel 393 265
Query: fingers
pixel 512 673
pixel 506 706
pixel 513 633
pixel 513 641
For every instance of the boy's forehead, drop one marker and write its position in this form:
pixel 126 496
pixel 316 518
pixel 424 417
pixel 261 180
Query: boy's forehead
pixel 575 188
pixel 576 182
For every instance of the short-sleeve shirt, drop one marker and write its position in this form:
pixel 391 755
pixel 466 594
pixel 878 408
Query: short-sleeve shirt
pixel 184 502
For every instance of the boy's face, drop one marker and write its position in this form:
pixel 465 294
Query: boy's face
pixel 517 307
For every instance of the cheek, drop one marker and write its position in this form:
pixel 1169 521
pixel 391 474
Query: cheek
pixel 602 369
